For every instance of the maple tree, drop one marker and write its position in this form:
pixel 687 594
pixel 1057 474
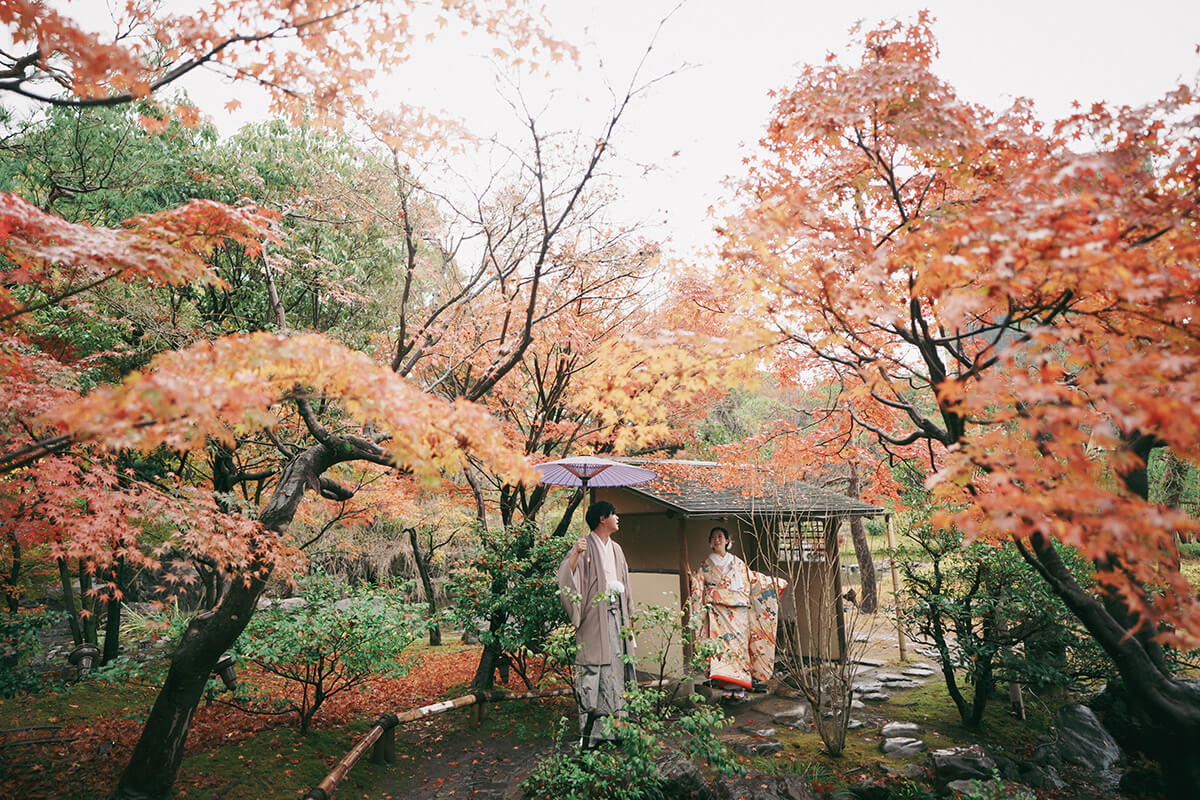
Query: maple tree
pixel 313 58
pixel 814 439
pixel 211 396
pixel 1021 298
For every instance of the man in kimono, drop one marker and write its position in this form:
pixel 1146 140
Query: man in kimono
pixel 593 582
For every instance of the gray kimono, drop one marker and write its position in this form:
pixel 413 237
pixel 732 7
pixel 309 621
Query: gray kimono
pixel 598 616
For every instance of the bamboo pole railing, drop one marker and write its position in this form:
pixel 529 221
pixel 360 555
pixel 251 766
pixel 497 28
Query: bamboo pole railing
pixel 891 540
pixel 383 734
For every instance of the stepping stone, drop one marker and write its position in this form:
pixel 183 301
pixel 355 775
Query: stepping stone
pixel 868 686
pixel 776 707
pixel 868 662
pixel 907 683
pixel 902 746
pixel 753 745
pixel 862 637
pixel 875 697
pixel 855 724
pixel 900 729
pixel 920 672
pixel 890 677
pixel 760 731
pixel 857 704
pixel 796 716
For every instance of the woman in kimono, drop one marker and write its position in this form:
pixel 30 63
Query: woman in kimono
pixel 738 608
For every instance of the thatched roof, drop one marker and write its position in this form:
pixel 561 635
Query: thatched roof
pixel 706 488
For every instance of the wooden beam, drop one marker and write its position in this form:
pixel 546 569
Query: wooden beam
pixel 684 591
pixel 895 585
pixel 833 561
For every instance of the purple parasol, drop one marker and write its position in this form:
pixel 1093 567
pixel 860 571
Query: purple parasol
pixel 588 471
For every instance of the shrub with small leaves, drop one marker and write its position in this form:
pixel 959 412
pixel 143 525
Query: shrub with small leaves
pixel 338 638
pixel 18 644
pixel 512 580
pixel 629 771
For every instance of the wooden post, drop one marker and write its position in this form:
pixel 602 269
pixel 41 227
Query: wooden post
pixel 384 752
pixel 895 585
pixel 685 593
pixel 833 565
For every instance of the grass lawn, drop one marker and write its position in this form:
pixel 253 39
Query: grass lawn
pixel 73 743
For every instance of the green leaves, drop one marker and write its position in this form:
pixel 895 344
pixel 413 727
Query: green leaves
pixel 329 641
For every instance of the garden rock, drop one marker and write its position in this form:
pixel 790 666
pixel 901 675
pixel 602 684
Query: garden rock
pixel 760 786
pixel 960 763
pixel 761 731
pixel 793 787
pixel 890 677
pixel 919 672
pixel 784 712
pixel 1009 770
pixel 875 697
pixel 682 780
pixel 900 682
pixel 901 729
pixel 1041 777
pixel 1046 754
pixel 870 789
pixel 755 745
pixel 963 787
pixel 1082 740
pixel 902 746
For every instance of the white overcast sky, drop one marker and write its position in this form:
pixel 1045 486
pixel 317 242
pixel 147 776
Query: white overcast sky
pixel 1054 51
pixel 693 127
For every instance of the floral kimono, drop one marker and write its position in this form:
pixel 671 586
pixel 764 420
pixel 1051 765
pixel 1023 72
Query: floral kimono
pixel 742 613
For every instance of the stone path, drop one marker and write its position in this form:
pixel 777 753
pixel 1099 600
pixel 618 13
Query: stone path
pixel 758 715
pixel 493 769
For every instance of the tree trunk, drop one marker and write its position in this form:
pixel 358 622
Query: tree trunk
pixel 435 630
pixel 492 657
pixel 1168 707
pixel 87 602
pixel 151 772
pixel 112 617
pixel 13 596
pixel 64 576
pixel 564 524
pixel 868 600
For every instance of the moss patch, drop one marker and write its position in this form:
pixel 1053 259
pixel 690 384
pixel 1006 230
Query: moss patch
pixel 78 705
pixel 930 707
pixel 277 764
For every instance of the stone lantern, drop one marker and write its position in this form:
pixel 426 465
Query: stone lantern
pixel 83 656
pixel 224 668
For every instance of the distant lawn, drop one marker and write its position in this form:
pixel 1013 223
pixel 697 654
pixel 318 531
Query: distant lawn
pixel 1189 555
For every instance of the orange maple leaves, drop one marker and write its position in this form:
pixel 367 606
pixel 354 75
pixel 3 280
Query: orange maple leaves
pixel 216 389
pixel 58 259
pixel 313 58
pixel 992 290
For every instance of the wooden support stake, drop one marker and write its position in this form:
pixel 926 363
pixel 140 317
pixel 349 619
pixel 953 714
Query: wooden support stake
pixel 385 749
pixel 685 592
pixel 895 586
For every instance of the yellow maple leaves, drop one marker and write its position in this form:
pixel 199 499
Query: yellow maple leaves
pixel 218 389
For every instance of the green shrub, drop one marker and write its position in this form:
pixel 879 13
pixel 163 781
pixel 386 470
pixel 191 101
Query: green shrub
pixel 339 638
pixel 19 643
pixel 512 585
pixel 629 770
pixel 1189 549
